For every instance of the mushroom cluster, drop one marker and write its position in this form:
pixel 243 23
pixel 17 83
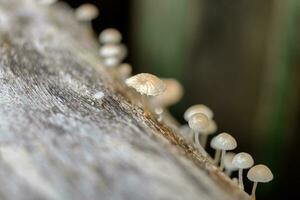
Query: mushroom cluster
pixel 158 94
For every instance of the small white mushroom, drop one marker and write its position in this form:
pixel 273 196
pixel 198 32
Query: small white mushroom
pixel 210 129
pixel 217 151
pixel 224 142
pixel 172 94
pixel 198 108
pixel 86 12
pixel 111 62
pixel 198 122
pixel 242 161
pixel 259 174
pixel 124 71
pixel 187 133
pixel 110 36
pixel 111 50
pixel 147 85
pixel 46 2
pixel 229 167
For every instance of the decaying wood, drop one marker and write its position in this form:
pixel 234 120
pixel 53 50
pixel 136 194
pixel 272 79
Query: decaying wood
pixel 70 130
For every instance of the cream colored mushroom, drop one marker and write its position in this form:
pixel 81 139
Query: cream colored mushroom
pixel 217 151
pixel 124 71
pixel 224 142
pixel 86 12
pixel 110 36
pixel 229 167
pixel 187 133
pixel 147 85
pixel 111 62
pixel 242 161
pixel 46 2
pixel 198 122
pixel 259 174
pixel 172 94
pixel 210 129
pixel 198 108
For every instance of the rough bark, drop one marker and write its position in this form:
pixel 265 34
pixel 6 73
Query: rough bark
pixel 70 130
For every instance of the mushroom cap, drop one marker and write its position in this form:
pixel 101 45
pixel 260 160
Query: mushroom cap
pixel 228 161
pixel 260 173
pixel 124 70
pixel 111 50
pixel 146 84
pixel 46 2
pixel 172 94
pixel 198 108
pixel 243 160
pixel 224 141
pixel 198 122
pixel 86 12
pixel 111 61
pixel 110 36
pixel 211 128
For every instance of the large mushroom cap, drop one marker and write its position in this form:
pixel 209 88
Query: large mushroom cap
pixel 146 84
pixel 198 122
pixel 110 36
pixel 86 12
pixel 260 173
pixel 173 93
pixel 243 160
pixel 224 141
pixel 228 161
pixel 198 108
pixel 211 128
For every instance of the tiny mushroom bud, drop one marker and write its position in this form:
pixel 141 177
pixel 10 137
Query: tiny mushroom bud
pixel 86 12
pixel 111 50
pixel 242 161
pixel 229 167
pixel 224 142
pixel 198 108
pixel 187 133
pixel 147 85
pixel 210 129
pixel 259 174
pixel 198 122
pixel 111 62
pixel 46 2
pixel 172 94
pixel 110 36
pixel 124 70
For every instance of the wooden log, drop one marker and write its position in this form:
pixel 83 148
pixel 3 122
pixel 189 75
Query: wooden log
pixel 69 129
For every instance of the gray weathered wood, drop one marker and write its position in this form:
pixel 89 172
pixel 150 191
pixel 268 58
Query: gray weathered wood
pixel 58 141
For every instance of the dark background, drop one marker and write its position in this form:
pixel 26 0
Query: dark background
pixel 239 57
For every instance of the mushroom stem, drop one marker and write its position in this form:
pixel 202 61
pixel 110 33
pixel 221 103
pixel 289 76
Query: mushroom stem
pixel 241 184
pixel 222 159
pixel 198 145
pixel 253 190
pixel 145 105
pixel 203 140
pixel 217 156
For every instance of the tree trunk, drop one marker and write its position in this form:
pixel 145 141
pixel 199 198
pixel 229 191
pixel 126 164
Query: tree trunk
pixel 69 129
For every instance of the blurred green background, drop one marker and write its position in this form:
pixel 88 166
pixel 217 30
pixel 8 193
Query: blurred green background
pixel 239 57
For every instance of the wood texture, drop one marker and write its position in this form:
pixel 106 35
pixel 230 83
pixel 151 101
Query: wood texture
pixel 70 130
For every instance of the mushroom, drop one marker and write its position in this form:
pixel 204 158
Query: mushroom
pixel 124 70
pixel 229 167
pixel 86 12
pixel 242 161
pixel 110 36
pixel 111 62
pixel 187 133
pixel 198 122
pixel 147 85
pixel 46 2
pixel 259 174
pixel 224 142
pixel 112 54
pixel 210 129
pixel 172 94
pixel 198 108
